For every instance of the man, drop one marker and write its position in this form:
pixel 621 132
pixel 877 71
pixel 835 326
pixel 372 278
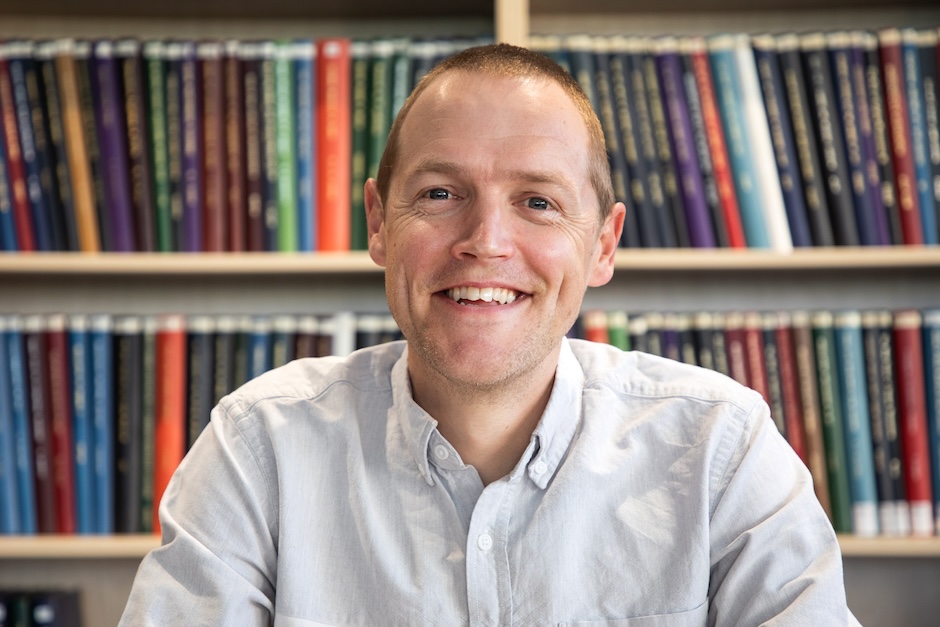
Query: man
pixel 492 472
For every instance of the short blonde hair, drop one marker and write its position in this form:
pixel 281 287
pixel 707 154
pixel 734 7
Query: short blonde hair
pixel 509 61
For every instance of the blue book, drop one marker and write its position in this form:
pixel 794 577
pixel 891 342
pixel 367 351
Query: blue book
pixel 9 503
pixel 919 143
pixel 931 331
pixel 850 361
pixel 22 428
pixel 193 150
pixel 102 374
pixel 721 53
pixel 8 240
pixel 302 71
pixel 82 424
pixel 260 345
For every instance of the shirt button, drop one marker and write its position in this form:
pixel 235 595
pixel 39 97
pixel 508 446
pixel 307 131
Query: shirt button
pixel 539 468
pixel 441 452
pixel 485 542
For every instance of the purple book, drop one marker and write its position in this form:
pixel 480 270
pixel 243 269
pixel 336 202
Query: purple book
pixel 688 171
pixel 191 144
pixel 112 140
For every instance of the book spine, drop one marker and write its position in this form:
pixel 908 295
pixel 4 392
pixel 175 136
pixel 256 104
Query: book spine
pixel 719 348
pixel 223 357
pixel 60 422
pixel 637 331
pixel 8 240
pixel 806 147
pixel 736 348
pixel 40 419
pixel 730 100
pixel 829 134
pixel 130 67
pixel 199 338
pixel 102 375
pixel 60 177
pixel 169 405
pixel 236 194
pixel 899 131
pixel 308 329
pixel 359 54
pixel 595 326
pixel 9 501
pixel 913 83
pixel 128 346
pixel 212 79
pixel 249 54
pixel 334 135
pixel 582 65
pixel 259 349
pixel 81 371
pixel 931 332
pixel 928 61
pixel 886 356
pixel 112 139
pixel 192 150
pixel 912 419
pixel 682 144
pixel 703 327
pixel 790 387
pixel 147 420
pixel 157 125
pixel 268 135
pixel 857 422
pixel 840 58
pixel 22 427
pixel 805 360
pixel 87 86
pixel 830 406
pixel 756 363
pixel 284 330
pixel 304 61
pixel 22 212
pixel 770 358
pixel 767 61
pixel 617 330
pixel 288 236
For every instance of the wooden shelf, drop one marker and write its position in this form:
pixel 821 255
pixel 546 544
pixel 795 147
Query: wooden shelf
pixel 136 546
pixel 685 260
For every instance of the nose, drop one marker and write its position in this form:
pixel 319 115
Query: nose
pixel 485 231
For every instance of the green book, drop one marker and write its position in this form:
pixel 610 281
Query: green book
pixel 617 330
pixel 287 235
pixel 148 422
pixel 359 52
pixel 830 406
pixel 159 148
pixel 380 100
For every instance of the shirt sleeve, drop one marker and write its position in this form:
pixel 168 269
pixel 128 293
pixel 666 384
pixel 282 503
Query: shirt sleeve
pixel 218 560
pixel 775 559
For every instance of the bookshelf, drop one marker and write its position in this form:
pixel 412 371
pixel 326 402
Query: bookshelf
pixel 883 575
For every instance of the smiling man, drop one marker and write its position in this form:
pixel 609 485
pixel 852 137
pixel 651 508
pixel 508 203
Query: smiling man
pixel 489 471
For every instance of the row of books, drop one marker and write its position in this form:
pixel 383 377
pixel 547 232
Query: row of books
pixel 855 393
pixel 40 608
pixel 97 411
pixel 128 145
pixel 768 140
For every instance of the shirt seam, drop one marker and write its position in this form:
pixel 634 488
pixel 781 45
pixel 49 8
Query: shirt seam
pixel 723 457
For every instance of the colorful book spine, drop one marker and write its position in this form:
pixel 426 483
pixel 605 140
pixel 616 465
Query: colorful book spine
pixel 199 338
pixel 914 84
pixel 285 133
pixel 303 68
pixel 250 57
pixel 790 387
pixel 268 136
pixel 169 405
pixel 912 412
pixel 359 54
pixel 148 414
pixel 927 40
pixel 770 359
pixel 37 370
pixel 617 334
pixel 102 376
pixel 931 332
pixel 736 347
pixel 9 501
pixel 334 145
pixel 154 53
pixel 22 212
pixel 283 339
pixel 210 64
pixel 83 425
pixel 259 349
pixel 22 427
pixel 192 149
pixel 128 385
pixel 87 87
pixel 236 195
pixel 60 421
pixel 223 359
pixel 8 238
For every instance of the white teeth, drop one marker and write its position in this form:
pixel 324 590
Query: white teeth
pixel 485 294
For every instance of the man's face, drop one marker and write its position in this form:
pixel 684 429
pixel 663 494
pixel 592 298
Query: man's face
pixel 491 231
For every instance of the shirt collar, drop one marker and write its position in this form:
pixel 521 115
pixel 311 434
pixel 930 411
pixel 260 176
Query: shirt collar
pixel 550 440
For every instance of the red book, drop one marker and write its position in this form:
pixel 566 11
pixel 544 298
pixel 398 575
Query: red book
pixel 790 387
pixel 235 198
pixel 37 371
pixel 912 418
pixel 334 151
pixel 215 217
pixel 60 420
pixel 724 180
pixel 736 349
pixel 754 347
pixel 169 405
pixel 899 131
pixel 22 215
pixel 595 326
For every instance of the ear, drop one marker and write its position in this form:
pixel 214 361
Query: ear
pixel 606 247
pixel 375 221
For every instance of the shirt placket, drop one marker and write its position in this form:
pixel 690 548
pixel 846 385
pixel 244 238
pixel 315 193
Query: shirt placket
pixel 488 585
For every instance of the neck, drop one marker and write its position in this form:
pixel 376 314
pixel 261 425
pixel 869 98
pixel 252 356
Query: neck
pixel 490 427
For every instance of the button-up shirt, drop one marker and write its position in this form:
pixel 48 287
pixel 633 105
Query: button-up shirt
pixel 650 493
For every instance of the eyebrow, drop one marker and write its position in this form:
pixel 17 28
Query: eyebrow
pixel 437 166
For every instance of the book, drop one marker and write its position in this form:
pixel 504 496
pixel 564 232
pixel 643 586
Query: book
pixel 235 195
pixel 22 211
pixel 721 51
pixel 60 420
pixel 169 405
pixel 82 423
pixel 34 340
pixel 131 71
pixel 359 56
pixel 334 143
pixel 285 132
pixel 154 54
pixel 669 336
pixel 22 428
pixel 654 333
pixel 259 348
pixel 223 356
pixel 594 324
pixel 830 411
pixel 736 348
pixel 192 149
pixel 788 371
pixel 268 138
pixel 9 497
pixel 210 66
pixel 102 376
pixel 637 332
pixel 719 350
pixel 927 57
pixel 824 113
pixel 7 223
pixel 850 360
pixel 701 231
pixel 172 53
pixel 770 360
pixel 108 97
pixel 308 333
pixel 249 55
pixel 931 332
pixel 914 84
pixel 912 418
pixel 899 132
pixel 703 327
pixel 128 421
pixel 283 340
pixel 200 382
pixel 302 74
pixel 756 364
pixel 781 135
pixel 805 359
pixel 617 334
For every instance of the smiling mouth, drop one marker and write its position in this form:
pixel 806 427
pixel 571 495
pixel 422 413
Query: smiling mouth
pixel 499 295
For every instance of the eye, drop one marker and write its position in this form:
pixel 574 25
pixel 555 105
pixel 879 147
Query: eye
pixel 537 203
pixel 439 194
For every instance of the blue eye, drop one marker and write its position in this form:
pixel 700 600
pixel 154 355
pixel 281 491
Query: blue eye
pixel 538 203
pixel 438 194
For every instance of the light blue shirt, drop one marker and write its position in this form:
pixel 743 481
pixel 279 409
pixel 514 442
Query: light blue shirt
pixel 651 493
